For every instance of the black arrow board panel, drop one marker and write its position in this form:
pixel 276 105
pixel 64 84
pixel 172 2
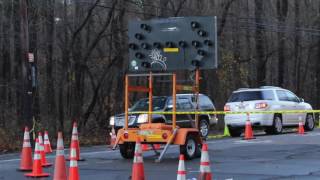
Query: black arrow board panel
pixel 179 43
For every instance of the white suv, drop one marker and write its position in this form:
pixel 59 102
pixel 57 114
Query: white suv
pixel 266 98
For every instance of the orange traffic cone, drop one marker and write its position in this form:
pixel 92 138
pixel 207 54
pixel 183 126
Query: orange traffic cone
pixel 26 154
pixel 44 161
pixel 73 169
pixel 75 139
pixel 248 134
pixel 138 168
pixel 37 168
pixel 301 128
pixel 47 145
pixel 205 171
pixel 113 137
pixel 60 163
pixel 181 169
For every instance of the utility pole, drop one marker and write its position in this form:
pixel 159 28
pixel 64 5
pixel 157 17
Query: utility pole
pixel 26 77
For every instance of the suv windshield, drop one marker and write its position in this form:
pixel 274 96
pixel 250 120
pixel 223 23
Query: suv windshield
pixel 158 103
pixel 251 96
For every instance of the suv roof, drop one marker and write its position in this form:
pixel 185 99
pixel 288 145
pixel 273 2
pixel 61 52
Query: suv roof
pixel 258 89
pixel 189 94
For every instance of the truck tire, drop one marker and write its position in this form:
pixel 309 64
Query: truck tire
pixel 127 150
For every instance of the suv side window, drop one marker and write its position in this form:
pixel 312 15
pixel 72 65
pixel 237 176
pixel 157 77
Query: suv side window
pixel 268 95
pixel 282 95
pixel 292 97
pixel 205 102
pixel 178 105
pixel 184 103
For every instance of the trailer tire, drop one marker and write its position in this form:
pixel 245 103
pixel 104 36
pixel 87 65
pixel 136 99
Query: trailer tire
pixel 190 148
pixel 127 150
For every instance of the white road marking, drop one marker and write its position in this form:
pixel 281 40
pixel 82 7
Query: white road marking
pixel 194 171
pixel 53 156
pixel 308 134
pixel 252 141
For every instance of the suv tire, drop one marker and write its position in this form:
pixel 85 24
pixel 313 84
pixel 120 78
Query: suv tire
pixel 235 132
pixel 309 125
pixel 190 148
pixel 127 150
pixel 276 127
pixel 204 128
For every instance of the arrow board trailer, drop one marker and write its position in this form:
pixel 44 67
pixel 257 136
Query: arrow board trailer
pixel 159 47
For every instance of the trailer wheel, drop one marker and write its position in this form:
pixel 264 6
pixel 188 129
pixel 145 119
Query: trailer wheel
pixel 127 150
pixel 190 148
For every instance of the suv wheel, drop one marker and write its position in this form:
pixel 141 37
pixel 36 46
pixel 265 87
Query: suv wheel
pixel 309 125
pixel 276 127
pixel 235 132
pixel 204 127
pixel 190 148
pixel 127 150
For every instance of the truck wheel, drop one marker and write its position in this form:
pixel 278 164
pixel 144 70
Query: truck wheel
pixel 127 150
pixel 235 132
pixel 190 148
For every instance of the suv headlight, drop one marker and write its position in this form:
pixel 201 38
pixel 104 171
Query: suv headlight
pixel 131 120
pixel 143 118
pixel 111 121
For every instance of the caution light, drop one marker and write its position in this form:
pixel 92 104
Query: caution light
pixel 207 42
pixel 169 44
pixel 145 27
pixel 139 36
pixel 195 63
pixel 195 44
pixel 157 45
pixel 183 44
pixel 201 52
pixel 202 33
pixel 145 45
pixel 146 64
pixel 133 46
pixel 194 25
pixel 139 55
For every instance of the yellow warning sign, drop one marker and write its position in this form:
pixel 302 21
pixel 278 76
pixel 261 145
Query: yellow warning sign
pixel 171 50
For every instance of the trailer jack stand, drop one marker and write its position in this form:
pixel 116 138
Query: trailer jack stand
pixel 154 150
pixel 167 145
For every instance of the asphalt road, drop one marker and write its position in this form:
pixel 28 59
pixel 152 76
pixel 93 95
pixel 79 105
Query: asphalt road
pixel 286 156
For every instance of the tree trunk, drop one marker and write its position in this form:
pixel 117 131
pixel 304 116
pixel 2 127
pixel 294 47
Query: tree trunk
pixel 260 50
pixel 297 62
pixel 24 80
pixel 50 88
pixel 282 11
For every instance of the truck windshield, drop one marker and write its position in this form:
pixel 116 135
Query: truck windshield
pixel 158 103
pixel 251 96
